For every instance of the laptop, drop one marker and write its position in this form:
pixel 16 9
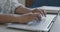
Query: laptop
pixel 44 25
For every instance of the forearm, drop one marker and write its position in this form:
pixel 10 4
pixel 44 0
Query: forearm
pixel 6 18
pixel 22 10
pixel 11 18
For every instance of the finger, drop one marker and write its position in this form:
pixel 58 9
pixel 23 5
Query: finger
pixel 38 16
pixel 44 13
pixel 37 11
pixel 41 12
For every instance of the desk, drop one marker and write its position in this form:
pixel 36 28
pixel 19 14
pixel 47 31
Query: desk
pixel 56 25
pixel 4 29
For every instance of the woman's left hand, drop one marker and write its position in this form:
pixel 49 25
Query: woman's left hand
pixel 42 12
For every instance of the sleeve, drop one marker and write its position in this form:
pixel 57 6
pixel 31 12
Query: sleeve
pixel 15 3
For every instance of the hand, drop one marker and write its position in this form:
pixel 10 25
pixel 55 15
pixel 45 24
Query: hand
pixel 42 12
pixel 35 15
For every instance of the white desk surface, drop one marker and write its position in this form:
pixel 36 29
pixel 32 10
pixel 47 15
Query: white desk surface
pixel 56 25
pixel 4 29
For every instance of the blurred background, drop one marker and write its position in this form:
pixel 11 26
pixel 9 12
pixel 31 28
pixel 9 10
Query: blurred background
pixel 28 3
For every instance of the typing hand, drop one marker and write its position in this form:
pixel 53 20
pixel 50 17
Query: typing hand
pixel 42 12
